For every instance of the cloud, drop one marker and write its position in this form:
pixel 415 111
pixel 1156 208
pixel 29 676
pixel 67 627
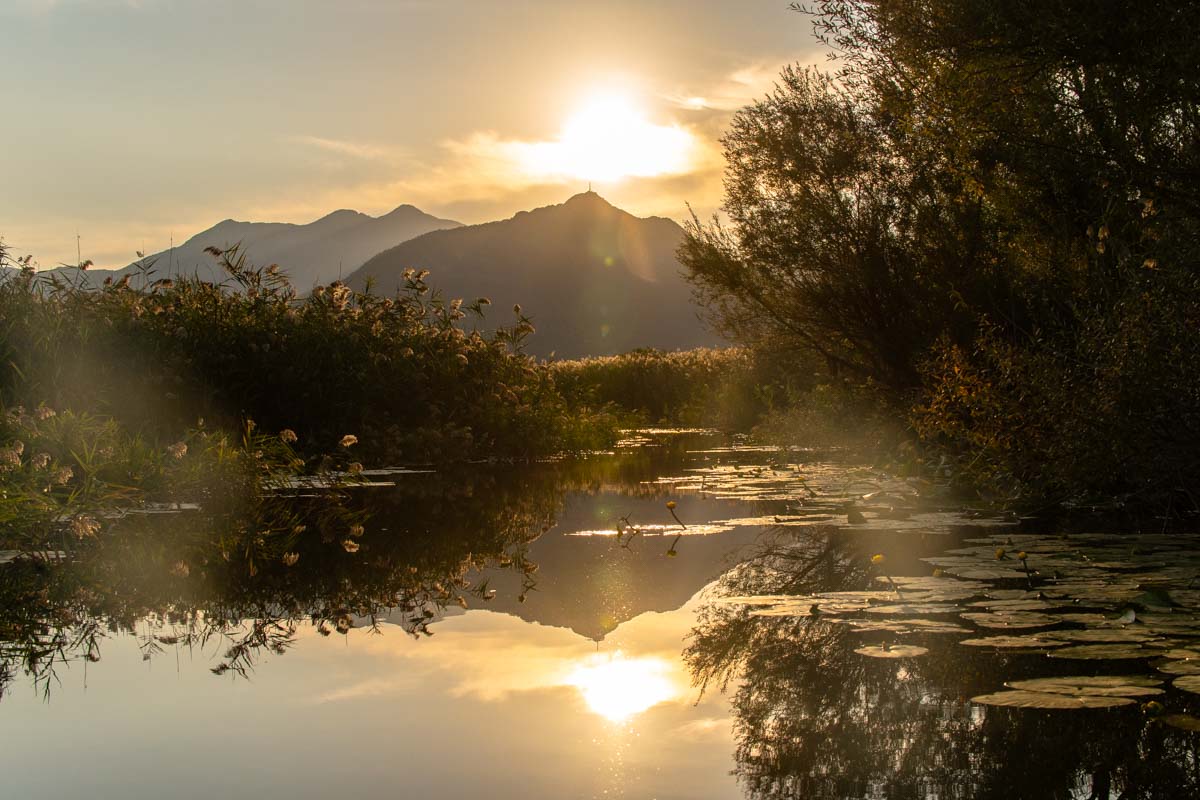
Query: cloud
pixel 342 147
pixel 739 88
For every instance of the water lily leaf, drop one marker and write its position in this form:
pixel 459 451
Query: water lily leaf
pixel 1180 668
pixel 1096 685
pixel 1103 652
pixel 1023 699
pixel 903 626
pixel 1012 605
pixel 1104 636
pixel 1188 683
pixel 1185 722
pixel 1010 619
pixel 983 574
pixel 1181 654
pixel 915 608
pixel 892 651
pixel 1012 642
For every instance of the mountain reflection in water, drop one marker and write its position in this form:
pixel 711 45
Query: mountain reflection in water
pixel 362 673
pixel 475 643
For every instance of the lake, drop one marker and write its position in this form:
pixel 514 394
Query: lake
pixel 794 626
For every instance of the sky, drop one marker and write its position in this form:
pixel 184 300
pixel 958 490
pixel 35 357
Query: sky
pixel 129 122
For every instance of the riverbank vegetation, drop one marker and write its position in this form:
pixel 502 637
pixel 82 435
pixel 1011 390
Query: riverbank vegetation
pixel 150 391
pixel 989 218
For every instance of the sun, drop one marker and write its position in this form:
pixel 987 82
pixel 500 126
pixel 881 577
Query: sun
pixel 608 138
pixel 618 688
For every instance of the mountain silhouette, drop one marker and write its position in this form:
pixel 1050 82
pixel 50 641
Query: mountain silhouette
pixel 595 280
pixel 323 251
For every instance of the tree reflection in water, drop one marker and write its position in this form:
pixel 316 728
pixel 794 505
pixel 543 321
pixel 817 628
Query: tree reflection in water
pixel 191 579
pixel 814 719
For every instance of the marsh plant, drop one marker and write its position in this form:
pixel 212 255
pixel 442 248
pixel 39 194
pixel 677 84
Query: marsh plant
pixel 414 375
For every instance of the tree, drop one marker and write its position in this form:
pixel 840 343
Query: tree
pixel 993 208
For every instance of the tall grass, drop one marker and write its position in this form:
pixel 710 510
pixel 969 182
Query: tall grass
pixel 412 376
pixel 725 388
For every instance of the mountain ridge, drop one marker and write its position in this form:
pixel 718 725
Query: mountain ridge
pixel 595 279
pixel 321 251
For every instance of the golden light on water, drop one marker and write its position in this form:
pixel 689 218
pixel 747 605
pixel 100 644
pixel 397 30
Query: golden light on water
pixel 617 687
pixel 606 139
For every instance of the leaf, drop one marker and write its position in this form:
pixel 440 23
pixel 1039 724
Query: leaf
pixel 892 651
pixel 1185 722
pixel 1010 619
pixel 1098 685
pixel 1012 642
pixel 1022 699
pixel 1103 652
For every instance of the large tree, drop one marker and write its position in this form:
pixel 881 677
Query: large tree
pixel 993 205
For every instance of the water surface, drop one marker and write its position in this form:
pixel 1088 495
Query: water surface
pixel 555 631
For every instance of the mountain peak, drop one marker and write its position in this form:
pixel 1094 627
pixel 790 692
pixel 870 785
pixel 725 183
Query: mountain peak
pixel 342 215
pixel 588 199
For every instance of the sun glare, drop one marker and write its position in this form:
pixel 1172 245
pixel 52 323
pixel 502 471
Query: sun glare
pixel 619 687
pixel 606 139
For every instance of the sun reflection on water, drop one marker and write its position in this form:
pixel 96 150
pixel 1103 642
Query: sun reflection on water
pixel 616 687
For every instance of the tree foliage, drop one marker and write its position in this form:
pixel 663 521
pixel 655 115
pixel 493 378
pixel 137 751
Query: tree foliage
pixel 992 208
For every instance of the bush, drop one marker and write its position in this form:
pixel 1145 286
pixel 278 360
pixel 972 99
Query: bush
pixel 405 374
pixel 726 388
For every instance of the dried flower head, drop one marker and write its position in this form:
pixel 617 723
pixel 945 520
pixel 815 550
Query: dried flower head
pixel 177 450
pixel 290 559
pixel 349 440
pixel 84 526
pixel 350 546
pixel 288 436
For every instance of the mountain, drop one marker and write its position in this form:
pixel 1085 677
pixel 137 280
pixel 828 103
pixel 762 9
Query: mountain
pixel 595 280
pixel 323 251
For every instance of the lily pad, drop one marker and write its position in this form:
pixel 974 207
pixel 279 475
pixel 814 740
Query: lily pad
pixel 1011 619
pixel 1103 636
pixel 904 626
pixel 1096 685
pixel 1103 652
pixel 1018 698
pixel 1188 683
pixel 1180 667
pixel 915 608
pixel 1185 722
pixel 892 651
pixel 1012 642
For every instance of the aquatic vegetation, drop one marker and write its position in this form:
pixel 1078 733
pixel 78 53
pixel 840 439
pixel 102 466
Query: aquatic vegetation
pixel 827 700
pixel 726 388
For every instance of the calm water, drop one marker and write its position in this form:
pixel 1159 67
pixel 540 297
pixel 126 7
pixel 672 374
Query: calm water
pixel 494 636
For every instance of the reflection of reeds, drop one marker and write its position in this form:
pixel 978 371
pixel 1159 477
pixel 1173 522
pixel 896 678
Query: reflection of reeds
pixel 879 560
pixel 672 552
